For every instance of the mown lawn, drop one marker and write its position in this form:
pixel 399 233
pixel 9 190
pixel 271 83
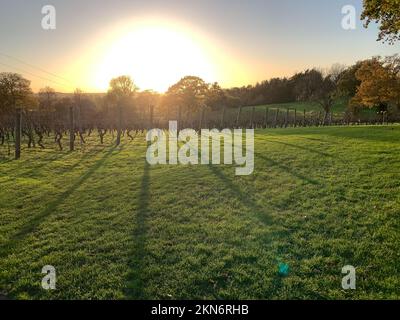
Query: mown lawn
pixel 117 228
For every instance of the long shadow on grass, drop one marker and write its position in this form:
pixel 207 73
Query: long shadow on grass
pixel 135 288
pixel 307 149
pixel 33 170
pixel 35 221
pixel 243 197
pixel 287 169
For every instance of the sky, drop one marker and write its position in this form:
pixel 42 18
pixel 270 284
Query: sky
pixel 158 42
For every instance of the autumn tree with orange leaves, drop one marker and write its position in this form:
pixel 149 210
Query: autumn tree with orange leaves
pixel 379 84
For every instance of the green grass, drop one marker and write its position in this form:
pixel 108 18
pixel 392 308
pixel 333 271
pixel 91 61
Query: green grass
pixel 116 228
pixel 339 107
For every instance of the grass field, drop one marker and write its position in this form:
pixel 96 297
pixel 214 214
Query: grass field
pixel 115 227
pixel 339 107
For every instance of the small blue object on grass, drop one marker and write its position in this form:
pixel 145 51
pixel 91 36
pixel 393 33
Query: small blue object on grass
pixel 283 269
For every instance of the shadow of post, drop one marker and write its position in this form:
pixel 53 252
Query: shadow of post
pixel 260 213
pixel 288 170
pixel 35 221
pixel 35 169
pixel 135 289
pixel 307 149
pixel 244 198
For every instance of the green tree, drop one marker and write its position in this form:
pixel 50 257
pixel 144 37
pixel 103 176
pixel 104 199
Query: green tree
pixel 122 87
pixel 47 98
pixel 15 92
pixel 122 90
pixel 190 92
pixel 306 83
pixel 216 97
pixel 314 85
pixel 348 83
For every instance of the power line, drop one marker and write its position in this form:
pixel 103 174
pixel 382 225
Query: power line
pixel 35 75
pixel 37 68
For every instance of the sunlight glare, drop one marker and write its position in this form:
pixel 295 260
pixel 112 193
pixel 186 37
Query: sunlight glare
pixel 155 57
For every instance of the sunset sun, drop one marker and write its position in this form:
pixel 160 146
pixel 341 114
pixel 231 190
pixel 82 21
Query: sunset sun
pixel 155 56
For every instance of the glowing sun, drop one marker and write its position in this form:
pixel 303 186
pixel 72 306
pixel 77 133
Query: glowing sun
pixel 155 56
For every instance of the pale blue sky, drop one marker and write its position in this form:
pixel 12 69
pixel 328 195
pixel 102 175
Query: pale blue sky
pixel 270 37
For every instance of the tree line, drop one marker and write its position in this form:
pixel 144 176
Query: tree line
pixel 372 83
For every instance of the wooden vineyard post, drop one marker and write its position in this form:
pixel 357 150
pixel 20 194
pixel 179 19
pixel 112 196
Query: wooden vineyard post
pixel 238 116
pixel 17 133
pixel 276 117
pixel 266 117
pixel 151 114
pixel 179 118
pixel 295 118
pixel 252 118
pixel 223 117
pixel 202 118
pixel 287 117
pixel 168 115
pixel 119 125
pixel 71 129
pixel 304 117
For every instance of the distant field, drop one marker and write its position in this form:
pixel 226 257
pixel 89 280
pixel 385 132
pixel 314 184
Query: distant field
pixel 313 113
pixel 339 107
pixel 114 227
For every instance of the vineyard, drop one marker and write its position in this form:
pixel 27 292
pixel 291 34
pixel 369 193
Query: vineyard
pixel 72 125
